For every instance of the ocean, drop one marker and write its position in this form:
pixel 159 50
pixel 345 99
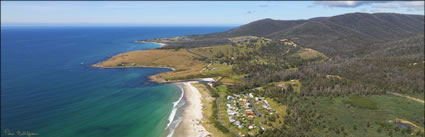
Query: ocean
pixel 49 88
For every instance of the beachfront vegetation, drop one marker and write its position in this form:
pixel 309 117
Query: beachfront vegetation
pixel 210 120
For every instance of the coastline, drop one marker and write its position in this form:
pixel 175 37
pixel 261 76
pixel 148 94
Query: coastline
pixel 160 44
pixel 153 78
pixel 186 115
pixel 176 114
pixel 190 124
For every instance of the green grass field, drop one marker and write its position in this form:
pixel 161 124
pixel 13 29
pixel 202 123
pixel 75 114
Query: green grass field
pixel 213 51
pixel 354 113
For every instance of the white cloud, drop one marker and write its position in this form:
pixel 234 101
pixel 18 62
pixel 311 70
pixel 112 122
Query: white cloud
pixel 346 4
pixel 375 6
pixel 412 5
pixel 385 6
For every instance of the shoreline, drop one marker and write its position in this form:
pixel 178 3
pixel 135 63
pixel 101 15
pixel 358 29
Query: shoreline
pixel 185 119
pixel 154 78
pixel 187 113
pixel 160 44
pixel 176 114
pixel 190 124
pixel 100 66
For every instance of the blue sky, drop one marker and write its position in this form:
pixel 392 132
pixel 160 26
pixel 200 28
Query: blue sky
pixel 186 13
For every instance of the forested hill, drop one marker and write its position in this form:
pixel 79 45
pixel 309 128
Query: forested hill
pixel 344 35
pixel 347 35
pixel 409 47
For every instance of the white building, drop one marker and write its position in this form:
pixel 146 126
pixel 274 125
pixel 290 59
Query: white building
pixel 251 95
pixel 229 106
pixel 265 101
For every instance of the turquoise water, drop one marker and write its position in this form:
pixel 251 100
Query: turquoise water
pixel 49 88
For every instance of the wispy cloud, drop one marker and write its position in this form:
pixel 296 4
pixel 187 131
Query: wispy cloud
pixel 250 12
pixel 385 6
pixel 375 6
pixel 412 5
pixel 263 6
pixel 345 4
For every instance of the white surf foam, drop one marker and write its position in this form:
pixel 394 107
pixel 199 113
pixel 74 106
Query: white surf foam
pixel 176 105
pixel 173 112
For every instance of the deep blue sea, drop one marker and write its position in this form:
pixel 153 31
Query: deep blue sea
pixel 48 87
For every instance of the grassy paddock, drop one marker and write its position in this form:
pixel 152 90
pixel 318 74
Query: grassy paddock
pixel 183 62
pixel 354 115
pixel 213 51
pixel 361 102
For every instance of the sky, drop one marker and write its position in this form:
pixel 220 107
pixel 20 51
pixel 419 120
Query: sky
pixel 216 13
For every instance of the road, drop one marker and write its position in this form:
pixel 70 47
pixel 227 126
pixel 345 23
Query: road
pixel 254 108
pixel 405 96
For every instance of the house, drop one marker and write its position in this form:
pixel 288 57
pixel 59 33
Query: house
pixel 249 112
pixel 237 123
pixel 269 109
pixel 244 101
pixel 250 127
pixel 230 112
pixel 229 106
pixel 246 105
pixel 251 95
pixel 231 119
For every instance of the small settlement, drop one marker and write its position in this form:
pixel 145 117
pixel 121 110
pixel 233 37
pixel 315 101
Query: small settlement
pixel 246 111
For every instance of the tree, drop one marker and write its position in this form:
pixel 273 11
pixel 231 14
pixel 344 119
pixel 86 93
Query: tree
pixel 397 129
pixel 379 130
pixel 409 130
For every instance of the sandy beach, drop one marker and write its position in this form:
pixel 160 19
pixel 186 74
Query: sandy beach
pixel 190 126
pixel 160 44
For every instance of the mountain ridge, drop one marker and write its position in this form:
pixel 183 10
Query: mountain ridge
pixel 347 35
